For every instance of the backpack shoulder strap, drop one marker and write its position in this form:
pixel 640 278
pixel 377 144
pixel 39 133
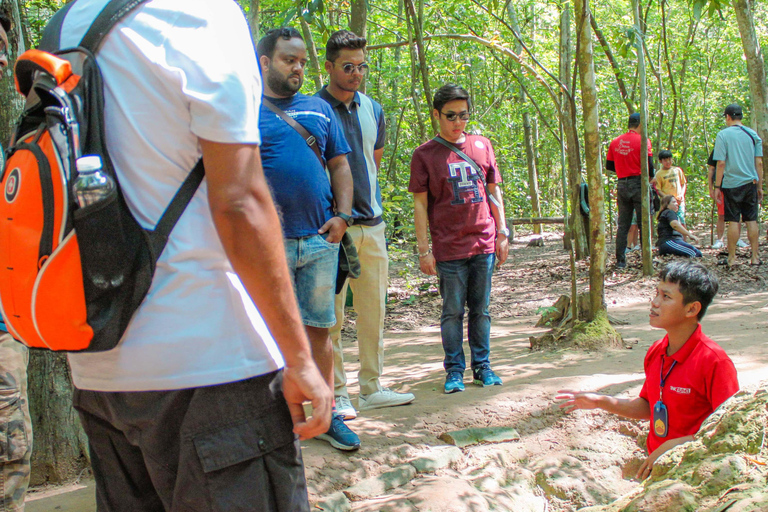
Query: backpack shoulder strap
pixel 112 13
pixel 754 141
pixel 172 213
pixel 51 40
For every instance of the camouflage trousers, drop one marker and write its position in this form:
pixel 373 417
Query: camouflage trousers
pixel 15 425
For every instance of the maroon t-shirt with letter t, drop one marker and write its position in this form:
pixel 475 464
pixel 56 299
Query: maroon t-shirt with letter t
pixel 460 220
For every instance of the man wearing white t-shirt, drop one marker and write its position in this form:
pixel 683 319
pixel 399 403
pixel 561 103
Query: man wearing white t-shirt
pixel 191 410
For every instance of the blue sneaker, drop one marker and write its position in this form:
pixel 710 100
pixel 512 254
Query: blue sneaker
pixel 484 376
pixel 340 436
pixel 454 382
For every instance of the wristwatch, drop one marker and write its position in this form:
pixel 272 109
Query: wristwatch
pixel 346 218
pixel 504 231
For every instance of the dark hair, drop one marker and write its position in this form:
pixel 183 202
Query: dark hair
pixel 634 120
pixel 665 153
pixel 343 40
pixel 449 92
pixel 5 21
pixel 696 283
pixel 266 46
pixel 664 204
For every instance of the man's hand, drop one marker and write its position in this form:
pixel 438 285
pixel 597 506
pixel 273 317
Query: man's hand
pixel 335 227
pixel 647 466
pixel 428 264
pixel 718 195
pixel 304 383
pixel 577 400
pixel 759 193
pixel 693 237
pixel 712 192
pixel 502 248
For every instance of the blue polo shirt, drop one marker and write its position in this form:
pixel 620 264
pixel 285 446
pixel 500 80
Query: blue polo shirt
pixel 298 180
pixel 364 127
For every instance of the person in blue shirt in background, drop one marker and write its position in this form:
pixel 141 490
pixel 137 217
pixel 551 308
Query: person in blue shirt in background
pixel 315 213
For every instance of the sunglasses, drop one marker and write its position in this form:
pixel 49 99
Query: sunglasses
pixel 350 68
pixel 452 116
pixel 4 50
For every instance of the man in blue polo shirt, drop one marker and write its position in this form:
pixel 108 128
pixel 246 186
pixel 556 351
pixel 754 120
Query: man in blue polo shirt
pixel 312 227
pixel 15 422
pixel 363 122
pixel 739 179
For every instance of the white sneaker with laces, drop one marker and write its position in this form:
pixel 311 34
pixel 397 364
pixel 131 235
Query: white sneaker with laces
pixel 384 398
pixel 718 244
pixel 344 408
pixel 742 244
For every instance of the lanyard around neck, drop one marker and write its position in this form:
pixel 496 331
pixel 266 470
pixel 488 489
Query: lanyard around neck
pixel 662 377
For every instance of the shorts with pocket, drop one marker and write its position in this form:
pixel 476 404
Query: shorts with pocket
pixel 313 263
pixel 740 203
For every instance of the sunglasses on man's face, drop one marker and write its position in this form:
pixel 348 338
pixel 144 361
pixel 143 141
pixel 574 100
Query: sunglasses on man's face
pixel 452 116
pixel 350 68
pixel 4 50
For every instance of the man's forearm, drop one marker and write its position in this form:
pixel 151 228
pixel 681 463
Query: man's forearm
pixel 420 222
pixel 759 169
pixel 720 170
pixel 342 185
pixel 636 408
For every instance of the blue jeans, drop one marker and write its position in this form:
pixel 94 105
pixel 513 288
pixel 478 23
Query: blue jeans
pixel 466 281
pixel 313 263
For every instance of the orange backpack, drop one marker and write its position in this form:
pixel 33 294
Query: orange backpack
pixel 71 278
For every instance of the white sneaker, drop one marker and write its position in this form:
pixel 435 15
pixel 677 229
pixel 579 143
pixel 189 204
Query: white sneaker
pixel 384 398
pixel 344 408
pixel 718 244
pixel 742 244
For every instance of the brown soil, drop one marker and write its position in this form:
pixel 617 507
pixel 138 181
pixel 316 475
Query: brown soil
pixel 603 448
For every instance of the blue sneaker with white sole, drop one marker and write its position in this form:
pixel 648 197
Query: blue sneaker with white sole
pixel 485 377
pixel 454 382
pixel 340 436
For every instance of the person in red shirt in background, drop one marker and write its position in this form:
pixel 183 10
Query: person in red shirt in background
pixel 468 229
pixel 624 159
pixel 687 375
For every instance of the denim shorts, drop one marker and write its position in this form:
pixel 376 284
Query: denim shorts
pixel 313 263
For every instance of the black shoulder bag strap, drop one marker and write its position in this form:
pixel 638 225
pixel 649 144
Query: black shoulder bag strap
pixel 471 162
pixel 308 137
pixel 754 141
pixel 110 16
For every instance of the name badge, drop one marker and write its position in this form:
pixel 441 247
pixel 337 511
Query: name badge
pixel 660 419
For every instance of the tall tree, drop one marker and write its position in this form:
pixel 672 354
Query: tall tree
pixel 645 188
pixel 570 129
pixel 756 70
pixel 585 61
pixel 358 17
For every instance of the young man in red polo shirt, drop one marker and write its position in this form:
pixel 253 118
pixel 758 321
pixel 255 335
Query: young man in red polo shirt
pixel 687 375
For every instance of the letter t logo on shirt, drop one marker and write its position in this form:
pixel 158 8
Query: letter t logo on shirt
pixel 464 179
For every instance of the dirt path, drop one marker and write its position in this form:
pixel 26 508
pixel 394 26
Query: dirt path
pixel 561 462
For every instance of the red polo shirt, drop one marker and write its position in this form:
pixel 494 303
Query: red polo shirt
pixel 624 152
pixel 703 378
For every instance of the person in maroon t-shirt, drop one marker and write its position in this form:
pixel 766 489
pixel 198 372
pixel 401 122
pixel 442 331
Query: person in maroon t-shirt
pixel 468 229
pixel 624 159
pixel 687 375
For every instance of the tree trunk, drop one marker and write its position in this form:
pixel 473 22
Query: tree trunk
pixel 60 451
pixel 418 30
pixel 577 227
pixel 645 187
pixel 11 102
pixel 358 16
pixel 254 19
pixel 314 62
pixel 756 70
pixel 585 60
pixel 533 178
pixel 409 22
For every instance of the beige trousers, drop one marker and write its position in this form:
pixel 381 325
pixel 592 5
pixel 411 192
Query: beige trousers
pixel 369 302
